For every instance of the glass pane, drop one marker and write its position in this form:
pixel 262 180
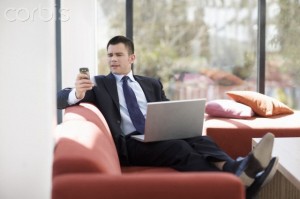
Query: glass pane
pixel 110 22
pixel 282 51
pixel 197 48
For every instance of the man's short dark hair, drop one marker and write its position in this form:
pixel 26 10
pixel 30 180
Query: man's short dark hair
pixel 121 39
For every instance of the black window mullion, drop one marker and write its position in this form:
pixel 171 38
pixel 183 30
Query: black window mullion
pixel 129 19
pixel 261 46
pixel 58 53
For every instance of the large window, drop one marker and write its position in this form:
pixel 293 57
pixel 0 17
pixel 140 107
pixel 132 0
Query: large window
pixel 197 48
pixel 111 22
pixel 201 49
pixel 283 50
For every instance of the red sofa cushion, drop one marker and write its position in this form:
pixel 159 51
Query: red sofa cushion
pixel 235 135
pixel 85 142
pixel 190 185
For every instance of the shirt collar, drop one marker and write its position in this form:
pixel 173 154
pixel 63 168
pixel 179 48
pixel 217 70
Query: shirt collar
pixel 119 77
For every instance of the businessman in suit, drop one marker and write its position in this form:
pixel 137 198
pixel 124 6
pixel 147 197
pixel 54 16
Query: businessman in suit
pixel 192 154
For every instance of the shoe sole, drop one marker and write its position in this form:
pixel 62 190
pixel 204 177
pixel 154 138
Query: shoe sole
pixel 272 172
pixel 263 150
pixel 261 180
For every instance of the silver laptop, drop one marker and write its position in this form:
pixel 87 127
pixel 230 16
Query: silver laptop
pixel 173 120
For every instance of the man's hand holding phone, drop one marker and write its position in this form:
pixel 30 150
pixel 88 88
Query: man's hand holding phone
pixel 83 83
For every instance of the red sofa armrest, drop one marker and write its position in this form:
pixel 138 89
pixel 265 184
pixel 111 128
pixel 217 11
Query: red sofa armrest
pixel 191 185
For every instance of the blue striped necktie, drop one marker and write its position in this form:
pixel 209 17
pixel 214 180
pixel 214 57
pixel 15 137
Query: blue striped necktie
pixel 135 112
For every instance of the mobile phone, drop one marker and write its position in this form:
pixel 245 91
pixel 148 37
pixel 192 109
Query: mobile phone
pixel 85 71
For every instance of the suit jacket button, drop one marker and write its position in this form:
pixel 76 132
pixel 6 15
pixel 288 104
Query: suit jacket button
pixel 118 121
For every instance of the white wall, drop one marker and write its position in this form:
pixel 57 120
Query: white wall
pixel 27 102
pixel 79 46
pixel 27 86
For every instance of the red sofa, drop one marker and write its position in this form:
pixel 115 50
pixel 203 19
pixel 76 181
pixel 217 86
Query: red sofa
pixel 235 135
pixel 86 166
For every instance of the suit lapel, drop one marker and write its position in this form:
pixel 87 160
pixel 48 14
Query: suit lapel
pixel 111 87
pixel 147 88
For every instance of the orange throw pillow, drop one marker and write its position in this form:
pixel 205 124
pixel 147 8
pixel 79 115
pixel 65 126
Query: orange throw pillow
pixel 261 104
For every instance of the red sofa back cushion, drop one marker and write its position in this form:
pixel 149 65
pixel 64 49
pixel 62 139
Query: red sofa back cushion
pixel 88 143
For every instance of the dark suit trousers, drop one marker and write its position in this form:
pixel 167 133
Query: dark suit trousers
pixel 193 154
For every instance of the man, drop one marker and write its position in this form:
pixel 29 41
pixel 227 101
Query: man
pixel 200 153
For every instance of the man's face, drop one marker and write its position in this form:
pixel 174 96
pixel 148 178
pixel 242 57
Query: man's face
pixel 119 60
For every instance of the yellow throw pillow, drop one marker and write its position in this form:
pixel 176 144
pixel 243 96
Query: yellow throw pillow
pixel 261 104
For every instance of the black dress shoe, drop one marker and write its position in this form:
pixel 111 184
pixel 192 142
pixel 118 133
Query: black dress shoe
pixel 262 179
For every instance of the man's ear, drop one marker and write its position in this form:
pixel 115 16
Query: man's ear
pixel 131 58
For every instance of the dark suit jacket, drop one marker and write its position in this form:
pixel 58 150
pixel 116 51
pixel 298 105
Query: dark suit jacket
pixel 105 97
